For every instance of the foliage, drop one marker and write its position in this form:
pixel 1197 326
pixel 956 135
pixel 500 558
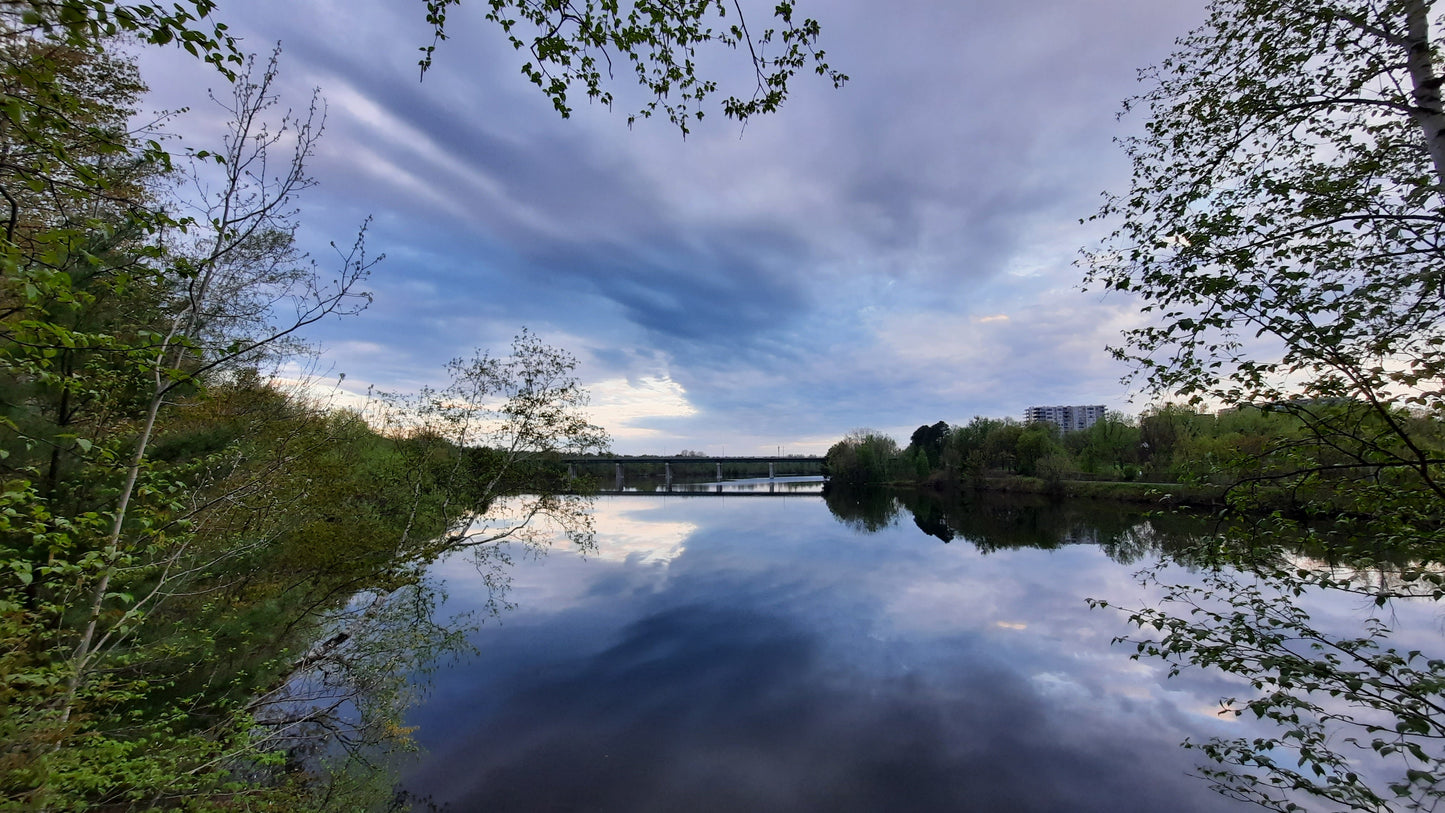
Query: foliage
pixel 1036 442
pixel 576 44
pixel 864 457
pixel 85 24
pixel 1361 721
pixel 986 446
pixel 570 44
pixel 201 578
pixel 1110 447
pixel 929 440
pixel 1289 187
pixel 212 592
pixel 516 415
pixel 197 622
pixel 1284 225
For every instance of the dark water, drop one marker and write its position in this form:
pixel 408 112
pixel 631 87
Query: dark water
pixel 767 655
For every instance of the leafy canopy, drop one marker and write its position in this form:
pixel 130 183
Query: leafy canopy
pixel 1284 229
pixel 575 44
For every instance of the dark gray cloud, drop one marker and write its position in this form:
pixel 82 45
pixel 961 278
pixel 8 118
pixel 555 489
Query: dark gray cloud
pixel 830 266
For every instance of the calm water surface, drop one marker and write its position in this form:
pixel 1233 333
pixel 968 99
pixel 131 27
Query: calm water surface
pixel 763 655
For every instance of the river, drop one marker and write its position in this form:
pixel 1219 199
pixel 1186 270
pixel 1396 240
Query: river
pixel 750 654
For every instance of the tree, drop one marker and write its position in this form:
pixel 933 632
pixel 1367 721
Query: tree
pixel 1000 444
pixel 964 449
pixel 575 43
pixel 251 205
pixel 147 533
pixel 1034 443
pixel 929 441
pixel 864 457
pixel 1352 706
pixel 1285 224
pixel 1291 185
pixel 514 416
pixel 110 327
pixel 1163 431
pixel 475 466
pixel 571 44
pixel 1109 446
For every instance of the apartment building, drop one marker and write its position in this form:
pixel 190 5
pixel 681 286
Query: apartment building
pixel 1067 418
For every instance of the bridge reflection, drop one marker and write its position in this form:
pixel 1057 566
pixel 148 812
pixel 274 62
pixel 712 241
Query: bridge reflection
pixel 678 493
pixel 798 486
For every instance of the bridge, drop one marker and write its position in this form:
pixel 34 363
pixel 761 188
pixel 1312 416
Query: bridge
pixel 669 461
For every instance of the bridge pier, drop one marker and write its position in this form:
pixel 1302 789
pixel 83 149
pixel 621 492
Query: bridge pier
pixel 619 476
pixel 770 472
pixel 667 474
pixel 571 471
pixel 719 472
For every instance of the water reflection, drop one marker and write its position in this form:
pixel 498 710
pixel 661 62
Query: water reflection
pixel 764 656
pixel 753 486
pixel 1339 655
pixel 868 510
pixel 996 522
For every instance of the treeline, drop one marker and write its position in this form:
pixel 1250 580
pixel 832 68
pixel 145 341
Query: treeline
pixel 1252 450
pixel 1111 449
pixel 212 589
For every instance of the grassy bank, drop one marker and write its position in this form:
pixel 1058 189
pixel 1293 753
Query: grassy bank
pixel 1139 493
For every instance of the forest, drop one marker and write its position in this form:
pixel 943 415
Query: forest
pixel 211 574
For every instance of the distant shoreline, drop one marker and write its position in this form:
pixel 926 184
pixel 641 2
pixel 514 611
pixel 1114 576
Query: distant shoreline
pixel 1164 494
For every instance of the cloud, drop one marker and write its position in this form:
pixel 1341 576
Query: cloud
pixel 626 406
pixel 830 266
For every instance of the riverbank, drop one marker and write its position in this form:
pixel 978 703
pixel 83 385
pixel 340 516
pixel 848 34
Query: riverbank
pixel 1171 494
pixel 1132 492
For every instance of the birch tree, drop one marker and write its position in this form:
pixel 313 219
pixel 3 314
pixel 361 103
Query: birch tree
pixel 1285 235
pixel 1284 226
pixel 513 416
pixel 250 204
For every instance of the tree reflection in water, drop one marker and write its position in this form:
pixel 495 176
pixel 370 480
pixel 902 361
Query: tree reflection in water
pixel 1357 698
pixel 338 712
pixel 1010 522
pixel 869 510
pixel 1361 717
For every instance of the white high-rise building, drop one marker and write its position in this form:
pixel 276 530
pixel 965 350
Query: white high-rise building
pixel 1067 418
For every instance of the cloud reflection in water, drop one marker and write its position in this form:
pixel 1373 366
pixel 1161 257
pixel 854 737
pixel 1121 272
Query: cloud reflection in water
pixel 784 661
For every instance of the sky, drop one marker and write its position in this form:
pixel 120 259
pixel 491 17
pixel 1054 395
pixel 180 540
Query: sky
pixel 896 252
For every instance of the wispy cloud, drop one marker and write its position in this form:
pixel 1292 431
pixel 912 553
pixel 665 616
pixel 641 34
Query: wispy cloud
pixel 895 252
